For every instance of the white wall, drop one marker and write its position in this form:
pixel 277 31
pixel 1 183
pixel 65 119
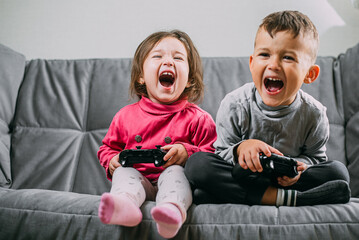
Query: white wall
pixel 72 29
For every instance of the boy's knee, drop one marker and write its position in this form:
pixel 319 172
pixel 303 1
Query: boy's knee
pixel 340 171
pixel 196 164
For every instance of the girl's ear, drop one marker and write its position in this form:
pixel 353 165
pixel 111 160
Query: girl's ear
pixel 312 74
pixel 189 84
pixel 141 81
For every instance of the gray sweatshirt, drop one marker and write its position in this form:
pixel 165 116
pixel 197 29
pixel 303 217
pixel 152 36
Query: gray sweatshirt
pixel 299 130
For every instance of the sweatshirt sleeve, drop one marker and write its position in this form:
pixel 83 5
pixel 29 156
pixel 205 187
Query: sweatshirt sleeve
pixel 111 144
pixel 229 125
pixel 203 135
pixel 314 149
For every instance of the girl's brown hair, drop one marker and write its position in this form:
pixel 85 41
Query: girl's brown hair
pixel 195 92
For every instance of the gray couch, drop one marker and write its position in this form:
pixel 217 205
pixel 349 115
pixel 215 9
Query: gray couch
pixel 54 114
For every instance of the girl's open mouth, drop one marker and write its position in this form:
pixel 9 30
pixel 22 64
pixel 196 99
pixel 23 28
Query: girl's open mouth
pixel 166 79
pixel 273 85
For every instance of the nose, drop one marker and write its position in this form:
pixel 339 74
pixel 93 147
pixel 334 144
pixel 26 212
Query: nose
pixel 168 61
pixel 274 64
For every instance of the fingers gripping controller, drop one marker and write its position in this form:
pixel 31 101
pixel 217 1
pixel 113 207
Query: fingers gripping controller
pixel 274 165
pixel 128 157
pixel 279 165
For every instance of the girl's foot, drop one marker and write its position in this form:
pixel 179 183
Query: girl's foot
pixel 119 210
pixel 168 218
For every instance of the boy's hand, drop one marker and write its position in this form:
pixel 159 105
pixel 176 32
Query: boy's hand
pixel 287 181
pixel 114 163
pixel 177 154
pixel 248 154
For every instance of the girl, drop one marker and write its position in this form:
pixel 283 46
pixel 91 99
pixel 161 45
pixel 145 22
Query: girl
pixel 167 77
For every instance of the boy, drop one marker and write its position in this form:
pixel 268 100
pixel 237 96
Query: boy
pixel 272 115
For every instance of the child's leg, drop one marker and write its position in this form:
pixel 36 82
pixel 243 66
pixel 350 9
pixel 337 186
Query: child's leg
pixel 173 199
pixel 212 175
pixel 122 205
pixel 321 173
pixel 332 192
pixel 323 183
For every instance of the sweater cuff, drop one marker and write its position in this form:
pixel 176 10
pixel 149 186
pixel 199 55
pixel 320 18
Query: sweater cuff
pixel 234 152
pixel 189 148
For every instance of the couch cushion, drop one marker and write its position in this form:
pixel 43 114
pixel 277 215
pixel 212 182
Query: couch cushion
pixel 31 214
pixel 63 112
pixel 12 67
pixel 349 66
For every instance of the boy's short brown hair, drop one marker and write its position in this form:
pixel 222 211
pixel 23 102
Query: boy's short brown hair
pixel 294 22
pixel 195 92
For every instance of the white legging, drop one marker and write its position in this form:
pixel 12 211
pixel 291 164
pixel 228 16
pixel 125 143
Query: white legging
pixel 173 187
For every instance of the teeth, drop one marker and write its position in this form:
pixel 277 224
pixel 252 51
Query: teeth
pixel 167 73
pixel 274 79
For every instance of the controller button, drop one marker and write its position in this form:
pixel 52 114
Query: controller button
pixel 168 140
pixel 138 138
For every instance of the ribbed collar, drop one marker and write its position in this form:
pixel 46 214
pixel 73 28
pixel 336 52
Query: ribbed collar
pixel 156 108
pixel 277 111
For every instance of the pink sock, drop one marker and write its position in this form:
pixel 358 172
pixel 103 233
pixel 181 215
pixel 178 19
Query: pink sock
pixel 119 209
pixel 168 218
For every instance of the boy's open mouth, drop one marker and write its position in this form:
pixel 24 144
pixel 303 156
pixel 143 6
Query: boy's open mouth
pixel 273 84
pixel 166 79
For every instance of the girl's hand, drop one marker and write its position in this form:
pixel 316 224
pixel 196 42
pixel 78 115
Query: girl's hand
pixel 176 154
pixel 114 163
pixel 287 181
pixel 248 154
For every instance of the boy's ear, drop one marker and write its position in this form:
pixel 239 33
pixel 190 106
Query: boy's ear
pixel 250 61
pixel 312 74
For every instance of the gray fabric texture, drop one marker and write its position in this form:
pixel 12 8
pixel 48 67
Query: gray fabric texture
pixel 223 75
pixel 275 126
pixel 63 110
pixel 74 216
pixel 349 70
pixel 12 67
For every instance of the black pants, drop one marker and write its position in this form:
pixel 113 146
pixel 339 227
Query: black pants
pixel 212 182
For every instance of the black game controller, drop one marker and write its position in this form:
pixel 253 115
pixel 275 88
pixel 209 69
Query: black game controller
pixel 128 157
pixel 275 165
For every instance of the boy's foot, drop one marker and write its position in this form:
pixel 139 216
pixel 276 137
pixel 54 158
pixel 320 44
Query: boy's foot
pixel 168 218
pixel 119 209
pixel 332 192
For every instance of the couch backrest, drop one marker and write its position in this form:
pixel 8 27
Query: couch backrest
pixel 12 66
pixel 64 108
pixel 349 64
pixel 63 111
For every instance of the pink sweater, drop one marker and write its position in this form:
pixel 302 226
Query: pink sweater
pixel 152 123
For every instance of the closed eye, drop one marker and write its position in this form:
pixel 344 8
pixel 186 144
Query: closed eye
pixel 178 58
pixel 263 54
pixel 289 58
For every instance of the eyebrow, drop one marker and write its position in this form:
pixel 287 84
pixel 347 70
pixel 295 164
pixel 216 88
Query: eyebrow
pixel 285 51
pixel 160 51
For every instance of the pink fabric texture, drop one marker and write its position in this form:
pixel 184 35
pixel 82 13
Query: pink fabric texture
pixel 157 124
